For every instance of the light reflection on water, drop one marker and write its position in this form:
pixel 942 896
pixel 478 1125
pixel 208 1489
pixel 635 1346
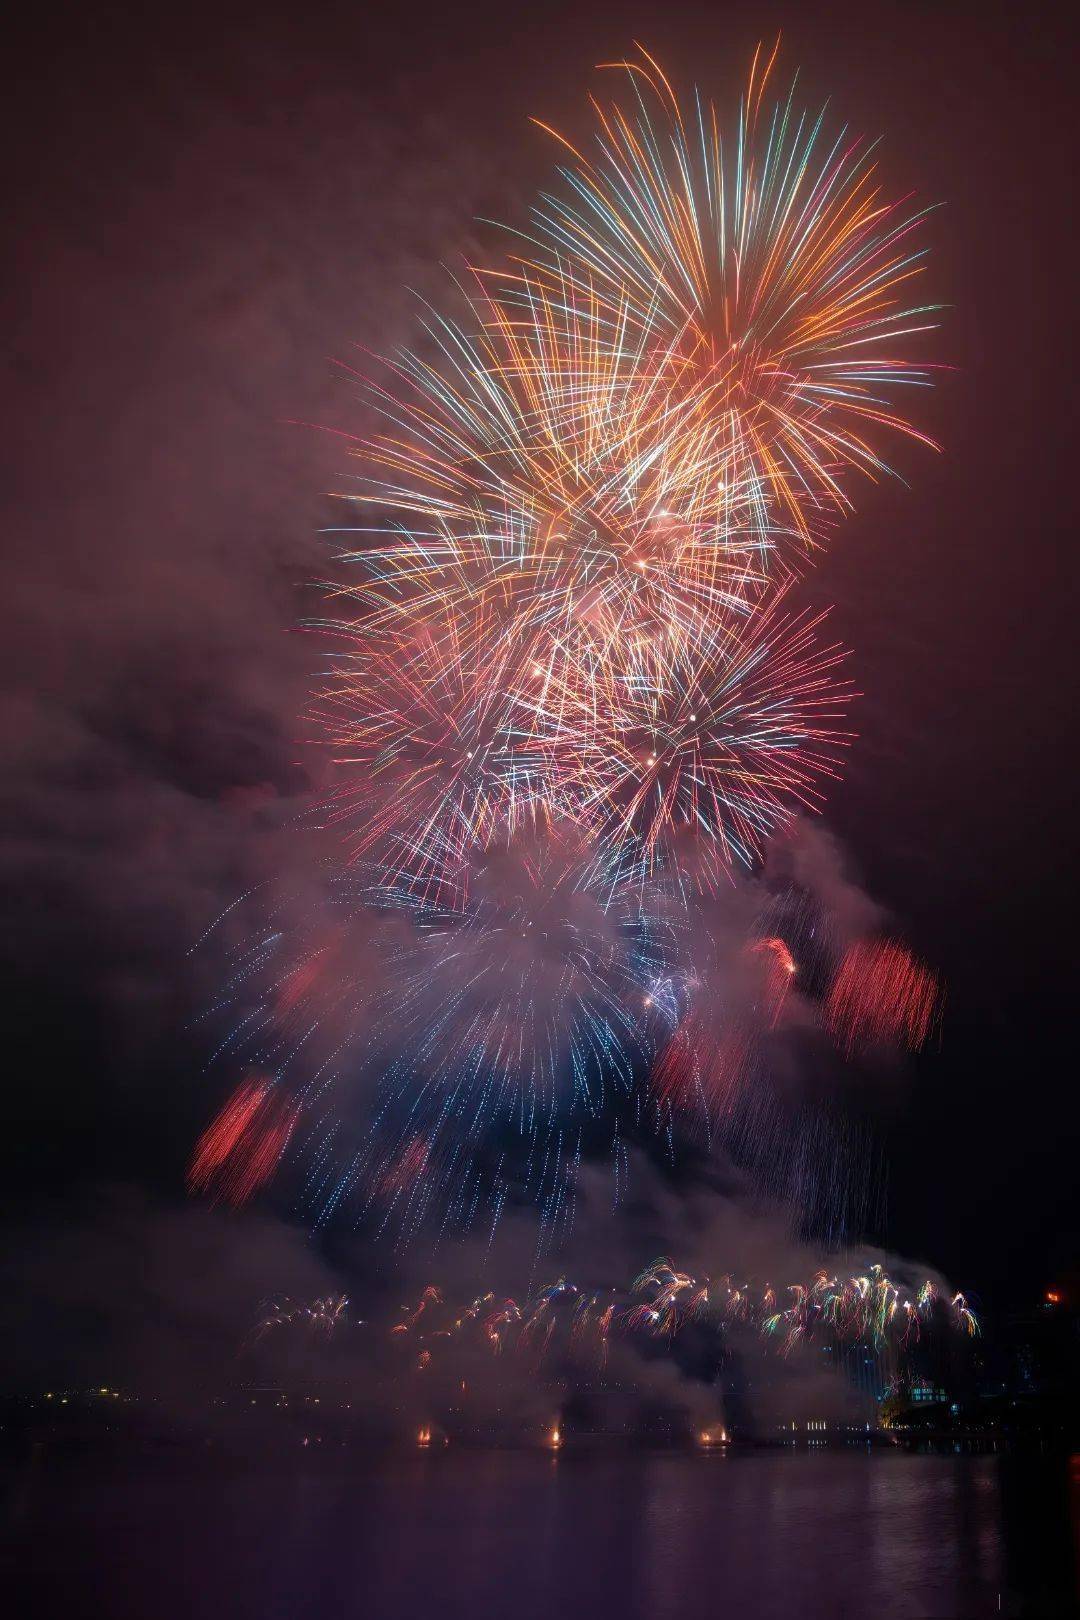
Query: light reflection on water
pixel 449 1533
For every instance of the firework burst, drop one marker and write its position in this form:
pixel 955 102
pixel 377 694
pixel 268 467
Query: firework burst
pixel 718 742
pixel 566 696
pixel 760 263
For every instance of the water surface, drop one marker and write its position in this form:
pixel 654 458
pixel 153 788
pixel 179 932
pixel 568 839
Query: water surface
pixel 535 1536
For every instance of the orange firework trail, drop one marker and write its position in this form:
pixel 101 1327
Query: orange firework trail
pixel 779 970
pixel 759 262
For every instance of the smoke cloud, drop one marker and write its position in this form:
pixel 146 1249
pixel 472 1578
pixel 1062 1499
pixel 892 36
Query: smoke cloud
pixel 168 1301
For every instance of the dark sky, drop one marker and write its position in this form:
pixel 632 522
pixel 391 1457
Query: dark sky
pixel 207 204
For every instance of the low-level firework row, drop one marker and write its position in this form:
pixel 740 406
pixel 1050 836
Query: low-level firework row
pixel 563 1323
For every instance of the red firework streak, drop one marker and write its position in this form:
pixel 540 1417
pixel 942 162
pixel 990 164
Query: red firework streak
pixel 239 1150
pixel 881 995
pixel 695 1066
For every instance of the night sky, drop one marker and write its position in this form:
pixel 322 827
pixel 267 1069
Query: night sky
pixel 208 205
